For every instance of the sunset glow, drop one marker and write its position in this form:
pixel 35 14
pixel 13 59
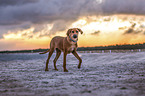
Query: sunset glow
pixel 98 31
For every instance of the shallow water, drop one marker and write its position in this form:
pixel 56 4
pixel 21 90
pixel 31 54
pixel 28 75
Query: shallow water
pixel 101 74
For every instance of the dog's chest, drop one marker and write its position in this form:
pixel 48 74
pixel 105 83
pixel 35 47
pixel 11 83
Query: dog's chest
pixel 72 47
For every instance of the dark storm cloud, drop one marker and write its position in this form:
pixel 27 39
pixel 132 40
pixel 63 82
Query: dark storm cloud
pixel 46 11
pixel 61 13
pixel 15 2
pixel 124 7
pixel 41 11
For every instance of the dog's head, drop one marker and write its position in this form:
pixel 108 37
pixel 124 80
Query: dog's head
pixel 73 34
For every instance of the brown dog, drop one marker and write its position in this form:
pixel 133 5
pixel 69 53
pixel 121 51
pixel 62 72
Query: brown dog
pixel 67 45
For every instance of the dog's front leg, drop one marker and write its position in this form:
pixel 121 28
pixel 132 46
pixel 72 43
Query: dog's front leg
pixel 64 61
pixel 77 56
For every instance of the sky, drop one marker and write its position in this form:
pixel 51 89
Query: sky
pixel 31 24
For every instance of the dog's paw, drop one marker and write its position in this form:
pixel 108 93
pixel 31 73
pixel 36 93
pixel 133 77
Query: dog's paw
pixel 46 70
pixel 79 67
pixel 65 70
pixel 56 69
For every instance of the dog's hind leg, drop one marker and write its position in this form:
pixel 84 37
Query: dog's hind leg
pixel 50 54
pixel 58 52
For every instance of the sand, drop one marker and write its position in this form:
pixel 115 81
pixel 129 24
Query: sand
pixel 101 74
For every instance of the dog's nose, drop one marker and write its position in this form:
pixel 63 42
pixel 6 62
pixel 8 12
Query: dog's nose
pixel 75 36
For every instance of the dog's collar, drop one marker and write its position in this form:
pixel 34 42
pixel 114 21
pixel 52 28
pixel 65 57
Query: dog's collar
pixel 72 39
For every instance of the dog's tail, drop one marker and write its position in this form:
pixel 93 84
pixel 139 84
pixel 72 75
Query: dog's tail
pixel 45 52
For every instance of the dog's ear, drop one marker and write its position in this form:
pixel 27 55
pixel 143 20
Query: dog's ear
pixel 68 32
pixel 80 30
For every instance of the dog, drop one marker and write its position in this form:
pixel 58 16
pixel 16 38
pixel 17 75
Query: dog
pixel 66 45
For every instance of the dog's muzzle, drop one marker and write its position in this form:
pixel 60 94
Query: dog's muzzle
pixel 75 36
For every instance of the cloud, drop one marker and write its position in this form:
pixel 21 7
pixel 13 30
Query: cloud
pixel 44 11
pixel 59 25
pixel 142 26
pixel 124 7
pixel 60 13
pixel 15 2
pixel 122 28
pixel 133 30
pixel 130 30
pixel 23 14
pixel 96 32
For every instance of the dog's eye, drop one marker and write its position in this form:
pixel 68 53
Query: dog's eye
pixel 76 31
pixel 72 31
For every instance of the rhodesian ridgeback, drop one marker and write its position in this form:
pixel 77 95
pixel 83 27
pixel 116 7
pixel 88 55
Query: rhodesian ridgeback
pixel 66 45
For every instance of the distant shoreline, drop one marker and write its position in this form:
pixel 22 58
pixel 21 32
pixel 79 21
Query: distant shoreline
pixel 95 51
pixel 98 49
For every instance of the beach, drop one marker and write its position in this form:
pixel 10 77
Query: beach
pixel 101 74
